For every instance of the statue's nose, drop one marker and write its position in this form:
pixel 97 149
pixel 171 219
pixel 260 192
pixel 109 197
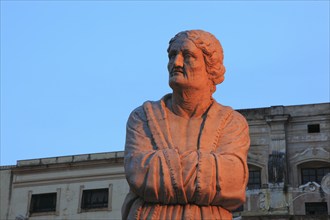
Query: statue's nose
pixel 178 60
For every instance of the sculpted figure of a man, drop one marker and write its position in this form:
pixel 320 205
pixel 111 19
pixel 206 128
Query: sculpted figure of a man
pixel 185 155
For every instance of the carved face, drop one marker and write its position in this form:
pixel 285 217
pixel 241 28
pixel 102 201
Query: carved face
pixel 186 66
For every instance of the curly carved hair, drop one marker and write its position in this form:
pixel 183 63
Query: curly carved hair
pixel 212 52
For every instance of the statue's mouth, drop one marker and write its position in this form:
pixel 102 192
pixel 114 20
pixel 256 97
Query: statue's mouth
pixel 176 71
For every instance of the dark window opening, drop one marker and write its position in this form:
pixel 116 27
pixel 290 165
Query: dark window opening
pixel 254 179
pixel 43 203
pixel 314 128
pixel 313 174
pixel 316 208
pixel 95 198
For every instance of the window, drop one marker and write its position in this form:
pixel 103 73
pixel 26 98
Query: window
pixel 45 202
pixel 95 199
pixel 254 179
pixel 313 174
pixel 313 128
pixel 316 208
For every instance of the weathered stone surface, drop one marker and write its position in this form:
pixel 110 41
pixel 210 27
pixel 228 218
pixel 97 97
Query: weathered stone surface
pixel 185 155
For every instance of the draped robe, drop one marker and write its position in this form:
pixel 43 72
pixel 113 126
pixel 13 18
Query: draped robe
pixel 206 181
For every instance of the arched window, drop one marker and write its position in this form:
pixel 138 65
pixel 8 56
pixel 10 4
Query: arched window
pixel 313 171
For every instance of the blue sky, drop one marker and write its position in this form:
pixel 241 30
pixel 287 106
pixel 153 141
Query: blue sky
pixel 72 71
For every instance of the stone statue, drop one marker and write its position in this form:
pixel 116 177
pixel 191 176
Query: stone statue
pixel 185 155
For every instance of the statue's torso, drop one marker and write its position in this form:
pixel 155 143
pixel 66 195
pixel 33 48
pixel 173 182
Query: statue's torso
pixel 184 132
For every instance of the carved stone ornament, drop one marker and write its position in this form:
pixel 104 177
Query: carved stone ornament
pixel 310 187
pixel 325 184
pixel 185 155
pixel 263 202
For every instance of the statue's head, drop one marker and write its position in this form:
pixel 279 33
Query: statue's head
pixel 209 48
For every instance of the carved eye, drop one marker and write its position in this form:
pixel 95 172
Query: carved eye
pixel 188 56
pixel 172 55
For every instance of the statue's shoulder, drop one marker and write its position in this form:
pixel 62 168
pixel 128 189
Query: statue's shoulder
pixel 159 103
pixel 221 110
pixel 138 114
pixel 228 113
pixel 156 107
pixel 148 106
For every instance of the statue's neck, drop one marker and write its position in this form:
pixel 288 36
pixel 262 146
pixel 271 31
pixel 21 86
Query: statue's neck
pixel 190 103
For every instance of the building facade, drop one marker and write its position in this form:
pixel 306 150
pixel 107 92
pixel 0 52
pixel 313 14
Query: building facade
pixel 289 174
pixel 288 159
pixel 89 186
